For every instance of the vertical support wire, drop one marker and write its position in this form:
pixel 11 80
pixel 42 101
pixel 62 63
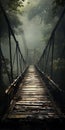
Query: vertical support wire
pixel 11 67
pixel 23 64
pixel 0 63
pixel 20 63
pixel 17 57
pixel 44 60
pixel 49 46
pixel 53 37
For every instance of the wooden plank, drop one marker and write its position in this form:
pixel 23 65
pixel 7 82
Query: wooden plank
pixel 32 99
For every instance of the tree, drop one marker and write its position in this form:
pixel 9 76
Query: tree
pixel 57 4
pixel 12 4
pixel 60 2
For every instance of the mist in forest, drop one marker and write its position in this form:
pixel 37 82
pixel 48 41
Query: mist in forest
pixel 33 24
pixel 30 35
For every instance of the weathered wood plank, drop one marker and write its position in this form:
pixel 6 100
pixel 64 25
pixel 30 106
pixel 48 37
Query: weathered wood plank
pixel 33 99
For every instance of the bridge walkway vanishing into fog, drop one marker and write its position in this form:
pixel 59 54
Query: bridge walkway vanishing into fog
pixel 32 93
pixel 31 105
pixel 32 100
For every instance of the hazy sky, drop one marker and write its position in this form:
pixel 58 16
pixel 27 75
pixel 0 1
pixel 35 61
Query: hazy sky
pixel 37 22
pixel 33 24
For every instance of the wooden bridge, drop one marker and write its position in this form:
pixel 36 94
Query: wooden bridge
pixel 32 100
pixel 31 104
pixel 30 97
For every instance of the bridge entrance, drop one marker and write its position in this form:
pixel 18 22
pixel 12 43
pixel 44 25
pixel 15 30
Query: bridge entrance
pixel 32 99
pixel 29 93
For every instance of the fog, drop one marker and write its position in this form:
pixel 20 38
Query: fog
pixel 33 24
pixel 37 22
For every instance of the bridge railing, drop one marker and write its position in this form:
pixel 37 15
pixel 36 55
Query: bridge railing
pixel 52 61
pixel 12 63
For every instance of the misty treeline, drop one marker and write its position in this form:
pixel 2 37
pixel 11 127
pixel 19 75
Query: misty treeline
pixel 58 55
pixel 12 4
pixel 59 46
pixel 59 62
pixel 60 2
pixel 15 3
pixel 5 39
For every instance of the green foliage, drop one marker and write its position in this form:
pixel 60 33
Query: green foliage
pixel 3 65
pixel 12 4
pixel 56 4
pixel 59 72
pixel 59 64
pixel 60 2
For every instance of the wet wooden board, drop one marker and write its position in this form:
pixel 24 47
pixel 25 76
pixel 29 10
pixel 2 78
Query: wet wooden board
pixel 32 99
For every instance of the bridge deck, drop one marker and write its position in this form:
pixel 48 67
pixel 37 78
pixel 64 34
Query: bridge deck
pixel 32 99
